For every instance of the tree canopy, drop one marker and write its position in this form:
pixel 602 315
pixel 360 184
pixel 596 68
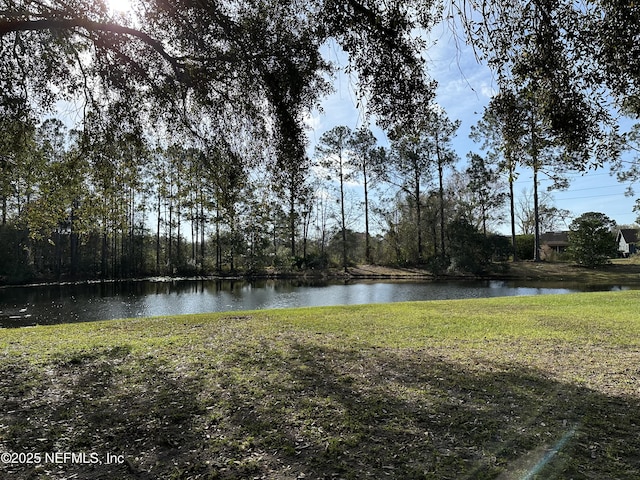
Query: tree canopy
pixel 574 56
pixel 193 112
pixel 591 240
pixel 257 64
pixel 254 64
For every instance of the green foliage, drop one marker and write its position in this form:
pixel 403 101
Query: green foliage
pixel 316 261
pixel 333 149
pixel 227 88
pixel 469 249
pixel 438 264
pixel 15 265
pixel 501 248
pixel 564 53
pixel 486 189
pixel 473 252
pixel 525 245
pixel 369 165
pixel 206 63
pixel 591 241
pixel 354 248
pixel 421 151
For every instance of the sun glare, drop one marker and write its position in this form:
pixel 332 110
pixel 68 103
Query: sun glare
pixel 120 6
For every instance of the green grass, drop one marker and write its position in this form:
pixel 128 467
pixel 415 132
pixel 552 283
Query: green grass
pixel 450 389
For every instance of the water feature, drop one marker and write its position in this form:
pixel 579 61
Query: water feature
pixel 51 304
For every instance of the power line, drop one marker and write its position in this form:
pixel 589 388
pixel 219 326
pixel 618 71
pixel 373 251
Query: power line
pixel 593 188
pixel 590 196
pixel 574 175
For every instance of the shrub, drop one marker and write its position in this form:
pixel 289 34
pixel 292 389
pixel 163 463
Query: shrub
pixel 469 249
pixel 525 245
pixel 591 242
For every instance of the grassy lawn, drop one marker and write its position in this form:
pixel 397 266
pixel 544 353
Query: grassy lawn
pixel 622 271
pixel 524 387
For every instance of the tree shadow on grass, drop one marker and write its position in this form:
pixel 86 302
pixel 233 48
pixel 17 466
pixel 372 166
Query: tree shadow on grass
pixel 93 403
pixel 408 414
pixel 301 409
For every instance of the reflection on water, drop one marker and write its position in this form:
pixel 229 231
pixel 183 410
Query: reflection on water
pixel 51 304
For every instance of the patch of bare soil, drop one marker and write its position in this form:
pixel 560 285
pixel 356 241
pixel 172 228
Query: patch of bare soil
pixel 379 271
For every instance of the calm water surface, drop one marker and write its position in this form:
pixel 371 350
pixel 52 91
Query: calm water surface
pixel 51 304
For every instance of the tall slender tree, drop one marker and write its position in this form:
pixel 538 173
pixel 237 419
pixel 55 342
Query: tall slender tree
pixel 369 163
pixel 412 158
pixel 441 131
pixel 334 151
pixel 485 187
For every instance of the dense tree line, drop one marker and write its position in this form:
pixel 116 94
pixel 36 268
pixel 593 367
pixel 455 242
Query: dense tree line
pixel 189 153
pixel 124 207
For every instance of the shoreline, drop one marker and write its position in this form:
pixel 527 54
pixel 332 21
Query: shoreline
pixel 616 272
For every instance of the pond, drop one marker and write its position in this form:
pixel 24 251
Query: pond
pixel 52 304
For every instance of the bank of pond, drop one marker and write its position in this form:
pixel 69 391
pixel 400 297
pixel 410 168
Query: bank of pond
pixel 69 303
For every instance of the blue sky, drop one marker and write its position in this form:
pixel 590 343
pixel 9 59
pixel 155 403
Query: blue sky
pixel 465 88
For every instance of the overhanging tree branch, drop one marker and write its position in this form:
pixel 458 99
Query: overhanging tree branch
pixel 12 26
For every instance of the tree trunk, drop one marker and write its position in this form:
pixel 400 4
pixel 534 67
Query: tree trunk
pixel 536 211
pixel 513 213
pixel 57 253
pixel 218 246
pixel 232 249
pixel 132 268
pixel 194 232
pixel 103 259
pixel 178 240
pixel 292 222
pixel 418 214
pixel 158 237
pixel 484 220
pixel 202 234
pixel 305 234
pixel 74 241
pixel 170 245
pixel 441 205
pixel 275 241
pixel 342 213
pixel 367 242
pixel 323 225
pixel 536 207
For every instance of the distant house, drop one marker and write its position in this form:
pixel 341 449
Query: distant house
pixel 627 241
pixel 553 244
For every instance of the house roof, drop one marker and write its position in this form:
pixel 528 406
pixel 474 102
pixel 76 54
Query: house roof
pixel 630 235
pixel 555 239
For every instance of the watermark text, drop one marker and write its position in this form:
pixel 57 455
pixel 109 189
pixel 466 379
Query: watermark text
pixel 60 458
